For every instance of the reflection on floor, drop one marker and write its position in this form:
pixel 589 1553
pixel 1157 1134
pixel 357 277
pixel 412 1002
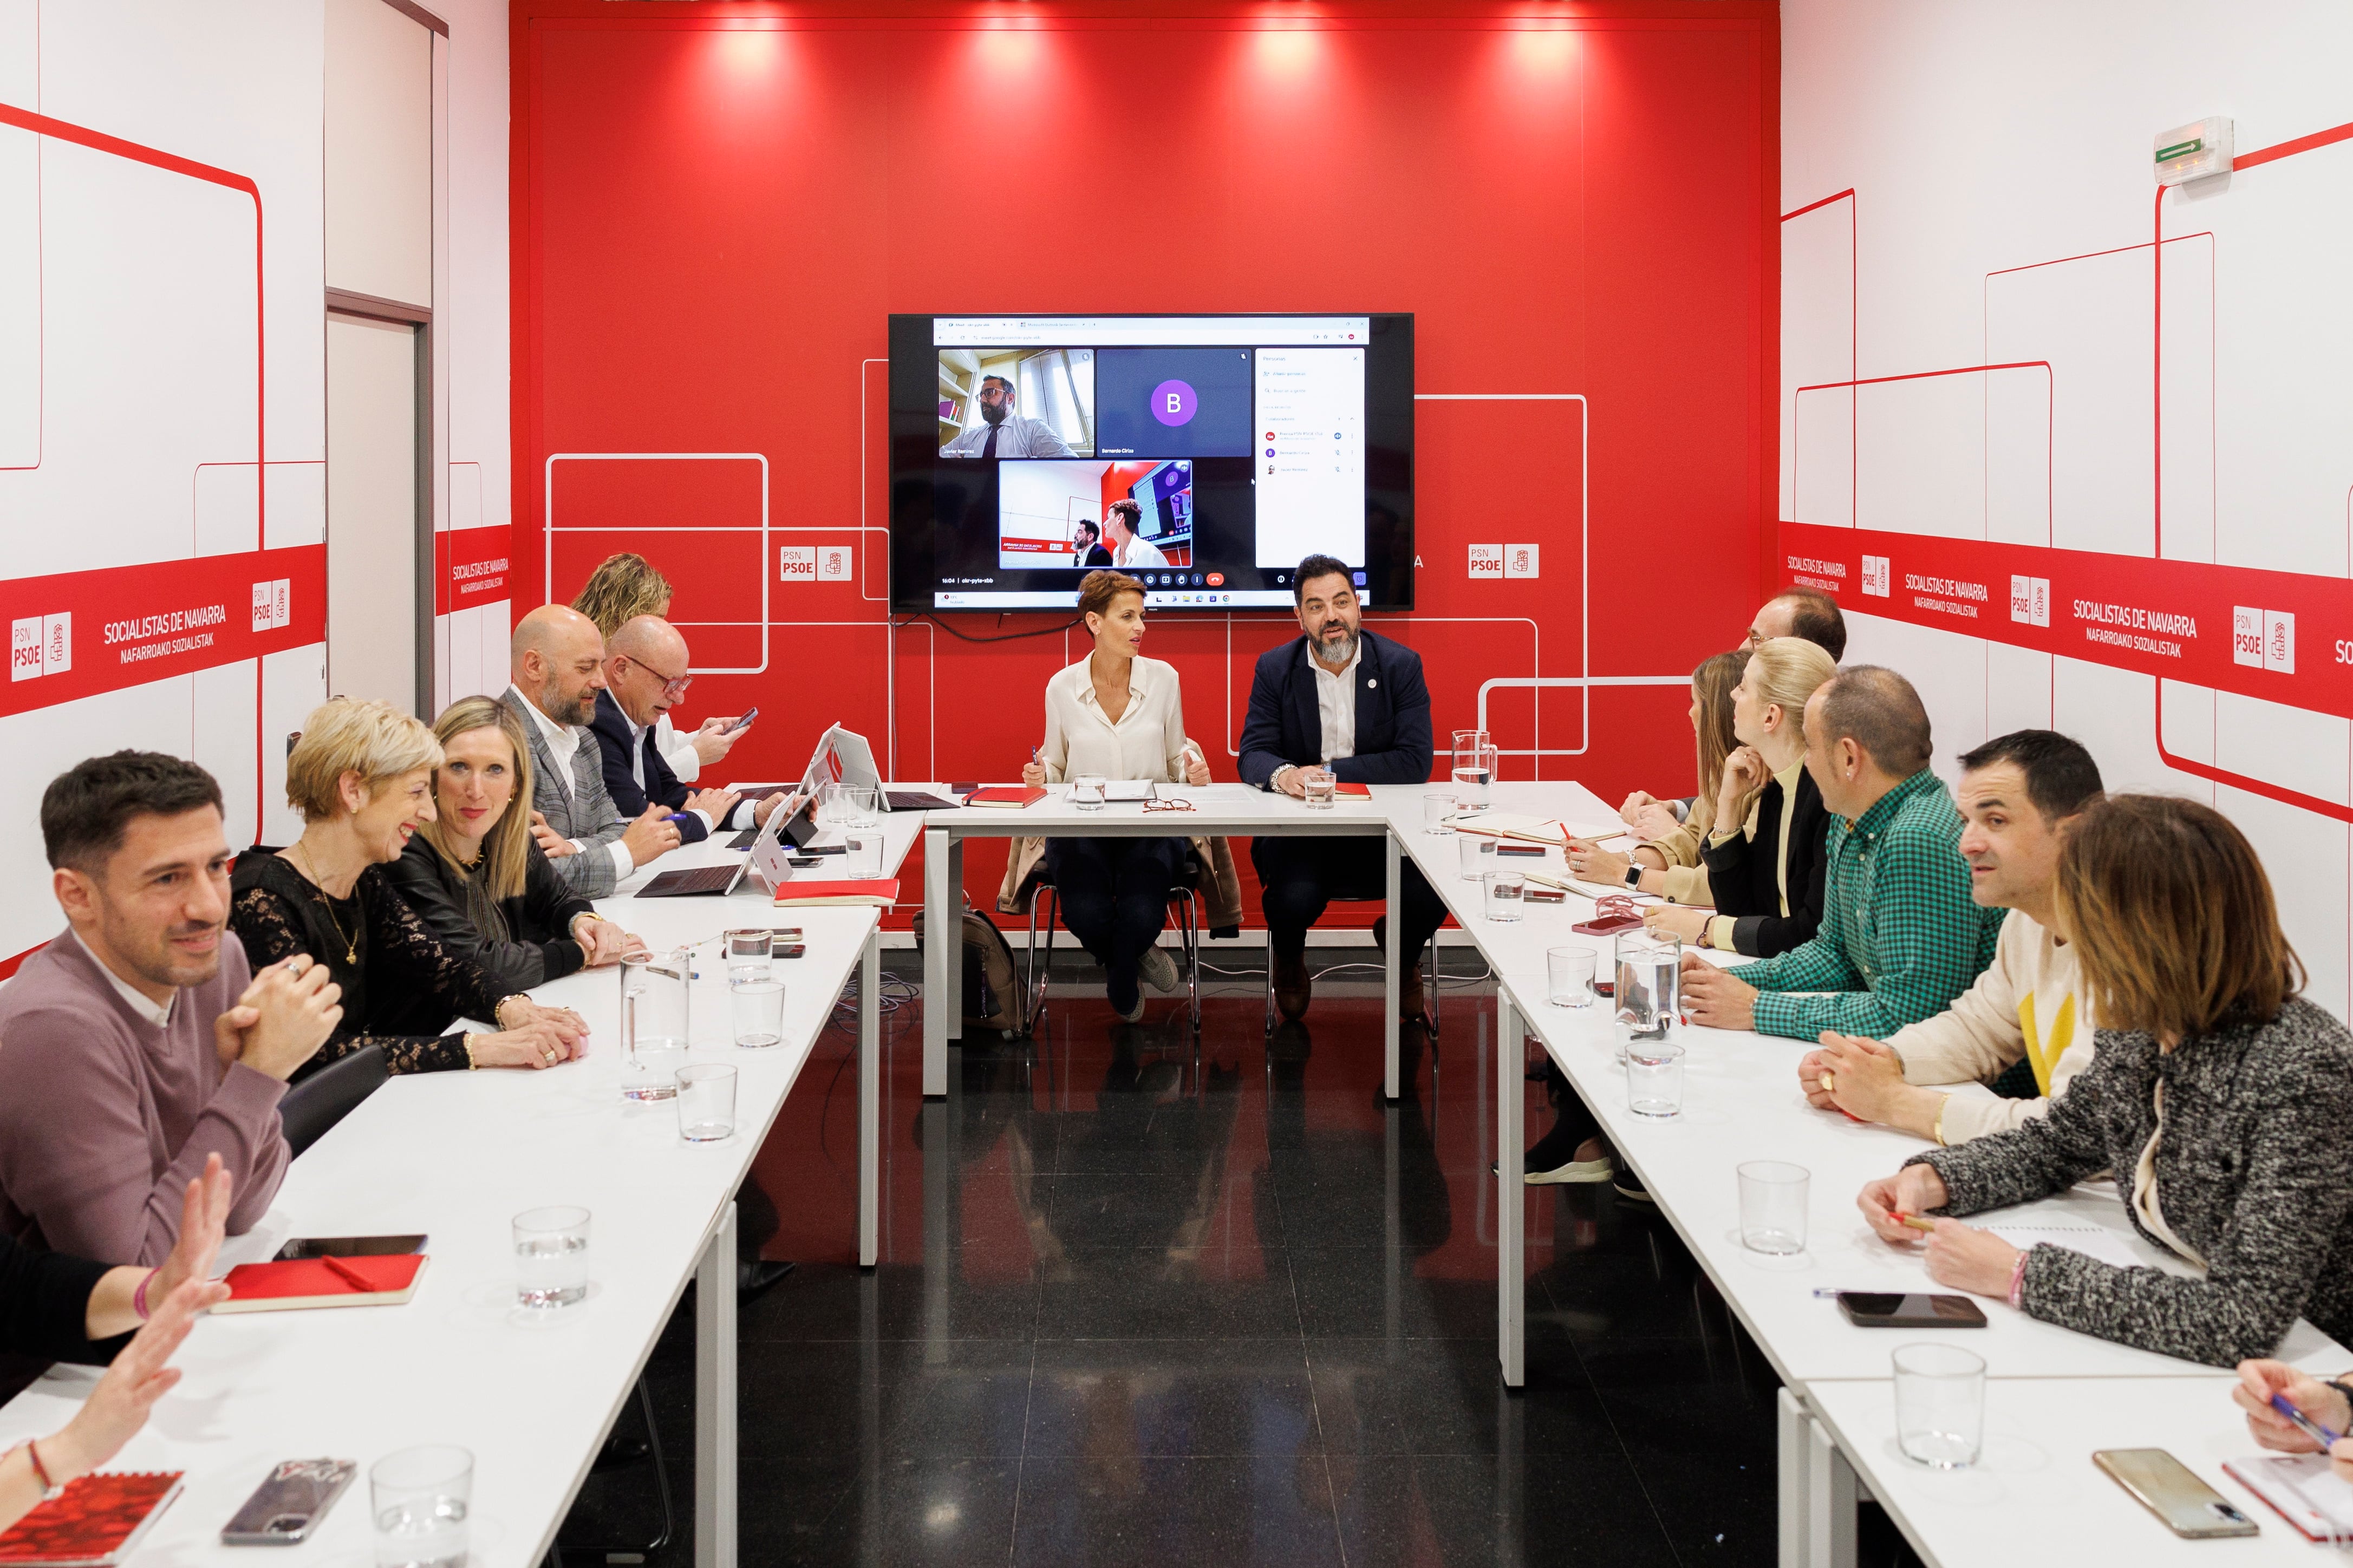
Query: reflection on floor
pixel 1143 1304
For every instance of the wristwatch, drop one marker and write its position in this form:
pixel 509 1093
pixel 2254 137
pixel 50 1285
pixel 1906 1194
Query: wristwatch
pixel 1635 874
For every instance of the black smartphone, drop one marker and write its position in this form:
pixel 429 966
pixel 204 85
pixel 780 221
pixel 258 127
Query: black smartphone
pixel 825 849
pixel 1532 851
pixel 1909 1309
pixel 289 1505
pixel 349 1247
pixel 803 862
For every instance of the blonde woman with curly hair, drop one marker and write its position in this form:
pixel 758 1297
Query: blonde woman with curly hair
pixel 622 588
pixel 362 775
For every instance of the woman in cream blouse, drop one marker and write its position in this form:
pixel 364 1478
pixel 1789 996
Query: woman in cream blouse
pixel 1121 715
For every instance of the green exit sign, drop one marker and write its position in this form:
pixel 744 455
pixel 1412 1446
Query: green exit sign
pixel 2180 149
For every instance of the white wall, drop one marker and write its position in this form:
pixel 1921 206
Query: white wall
pixel 1984 139
pixel 129 425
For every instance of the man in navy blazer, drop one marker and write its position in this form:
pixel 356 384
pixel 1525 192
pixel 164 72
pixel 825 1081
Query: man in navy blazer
pixel 1352 703
pixel 639 687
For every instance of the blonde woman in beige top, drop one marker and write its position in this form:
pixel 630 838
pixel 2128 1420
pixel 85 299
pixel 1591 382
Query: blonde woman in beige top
pixel 2025 1025
pixel 1670 863
pixel 1120 715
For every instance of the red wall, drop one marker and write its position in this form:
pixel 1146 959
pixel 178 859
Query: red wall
pixel 715 209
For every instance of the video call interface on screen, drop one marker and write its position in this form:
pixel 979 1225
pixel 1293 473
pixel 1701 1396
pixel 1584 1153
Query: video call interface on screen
pixel 1204 455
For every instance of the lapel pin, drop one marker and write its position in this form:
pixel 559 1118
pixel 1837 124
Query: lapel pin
pixel 1370 683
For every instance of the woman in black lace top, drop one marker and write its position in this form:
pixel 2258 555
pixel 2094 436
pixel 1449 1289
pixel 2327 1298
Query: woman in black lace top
pixel 360 777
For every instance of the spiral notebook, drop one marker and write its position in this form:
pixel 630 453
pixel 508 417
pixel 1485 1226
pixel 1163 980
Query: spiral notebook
pixel 98 1520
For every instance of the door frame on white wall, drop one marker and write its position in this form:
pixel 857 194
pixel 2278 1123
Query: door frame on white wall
pixel 368 307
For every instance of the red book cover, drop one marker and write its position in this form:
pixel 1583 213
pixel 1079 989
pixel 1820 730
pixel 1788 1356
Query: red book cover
pixel 1352 792
pixel 1012 797
pixel 94 1522
pixel 881 891
pixel 381 1282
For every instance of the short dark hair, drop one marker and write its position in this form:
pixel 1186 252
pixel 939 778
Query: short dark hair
pixel 1815 616
pixel 2062 779
pixel 1128 510
pixel 1005 382
pixel 1317 566
pixel 1879 710
pixel 87 809
pixel 1087 526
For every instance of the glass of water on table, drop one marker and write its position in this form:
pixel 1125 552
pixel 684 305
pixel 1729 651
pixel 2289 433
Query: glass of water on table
pixel 419 1498
pixel 550 1247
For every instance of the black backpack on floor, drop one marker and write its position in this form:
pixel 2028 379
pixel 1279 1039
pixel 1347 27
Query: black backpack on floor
pixel 992 988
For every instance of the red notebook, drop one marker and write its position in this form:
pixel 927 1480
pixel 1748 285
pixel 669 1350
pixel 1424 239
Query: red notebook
pixel 319 1282
pixel 880 891
pixel 1008 797
pixel 100 1519
pixel 1352 792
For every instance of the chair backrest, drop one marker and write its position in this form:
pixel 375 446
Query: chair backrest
pixel 312 1107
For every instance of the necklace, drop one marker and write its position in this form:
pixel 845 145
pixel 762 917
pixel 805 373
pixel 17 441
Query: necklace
pixel 351 944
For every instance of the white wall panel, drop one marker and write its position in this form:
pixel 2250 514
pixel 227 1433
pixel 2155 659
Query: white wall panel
pixel 379 151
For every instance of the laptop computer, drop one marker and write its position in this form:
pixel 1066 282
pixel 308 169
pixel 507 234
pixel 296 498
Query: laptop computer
pixel 766 857
pixel 842 756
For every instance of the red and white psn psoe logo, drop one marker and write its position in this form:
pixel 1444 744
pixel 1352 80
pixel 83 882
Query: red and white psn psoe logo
pixel 40 645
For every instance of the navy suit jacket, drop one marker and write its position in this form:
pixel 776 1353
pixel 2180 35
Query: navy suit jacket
pixel 611 728
pixel 1284 727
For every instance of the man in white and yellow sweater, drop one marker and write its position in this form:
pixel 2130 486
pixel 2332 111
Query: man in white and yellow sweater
pixel 2023 1029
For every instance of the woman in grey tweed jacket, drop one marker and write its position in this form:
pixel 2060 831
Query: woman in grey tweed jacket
pixel 2221 1101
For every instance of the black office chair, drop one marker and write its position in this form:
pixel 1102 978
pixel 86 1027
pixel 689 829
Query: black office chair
pixel 1429 948
pixel 1184 897
pixel 312 1105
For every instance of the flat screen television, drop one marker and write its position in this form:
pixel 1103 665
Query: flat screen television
pixel 1205 455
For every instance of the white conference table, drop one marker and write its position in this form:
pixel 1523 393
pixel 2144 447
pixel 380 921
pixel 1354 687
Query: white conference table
pixel 456 1155
pixel 1219 810
pixel 1742 1102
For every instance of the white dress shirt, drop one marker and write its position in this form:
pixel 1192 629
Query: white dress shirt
pixel 156 1013
pixel 677 750
pixel 1335 703
pixel 1149 742
pixel 638 771
pixel 1137 553
pixel 563 739
pixel 1019 437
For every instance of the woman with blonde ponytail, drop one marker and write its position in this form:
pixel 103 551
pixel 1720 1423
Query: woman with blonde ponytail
pixel 1765 854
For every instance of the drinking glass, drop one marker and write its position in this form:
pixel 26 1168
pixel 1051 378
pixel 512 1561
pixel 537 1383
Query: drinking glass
pixel 419 1498
pixel 1435 810
pixel 1569 976
pixel 1940 1405
pixel 861 855
pixel 861 805
pixel 759 1008
pixel 1773 1206
pixel 1654 1078
pixel 706 1099
pixel 654 989
pixel 747 954
pixel 1649 976
pixel 1506 893
pixel 1478 855
pixel 1319 788
pixel 1087 792
pixel 550 1247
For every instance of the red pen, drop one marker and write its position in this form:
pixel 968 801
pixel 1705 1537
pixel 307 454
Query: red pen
pixel 349 1275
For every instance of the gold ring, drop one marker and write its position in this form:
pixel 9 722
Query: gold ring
pixel 1830 1083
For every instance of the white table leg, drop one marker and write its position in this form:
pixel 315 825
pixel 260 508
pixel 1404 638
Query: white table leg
pixel 1831 1496
pixel 1511 1196
pixel 714 1398
pixel 870 1098
pixel 952 954
pixel 1391 963
pixel 940 939
pixel 1796 1448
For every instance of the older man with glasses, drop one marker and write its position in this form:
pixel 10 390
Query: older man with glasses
pixel 646 676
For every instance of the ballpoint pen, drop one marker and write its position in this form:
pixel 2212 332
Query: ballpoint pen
pixel 348 1275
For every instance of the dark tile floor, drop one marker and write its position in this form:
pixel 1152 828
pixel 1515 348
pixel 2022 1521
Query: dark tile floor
pixel 1137 1306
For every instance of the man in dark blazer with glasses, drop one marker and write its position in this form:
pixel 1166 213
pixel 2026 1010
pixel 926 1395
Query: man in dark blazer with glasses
pixel 1352 703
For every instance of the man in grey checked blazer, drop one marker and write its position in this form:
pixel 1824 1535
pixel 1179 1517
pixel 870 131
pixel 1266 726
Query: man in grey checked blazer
pixel 556 661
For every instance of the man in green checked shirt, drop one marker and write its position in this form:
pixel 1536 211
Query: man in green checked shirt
pixel 1900 936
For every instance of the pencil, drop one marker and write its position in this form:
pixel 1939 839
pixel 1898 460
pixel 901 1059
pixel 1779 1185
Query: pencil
pixel 349 1275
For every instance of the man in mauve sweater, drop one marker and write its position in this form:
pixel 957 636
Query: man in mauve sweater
pixel 137 1043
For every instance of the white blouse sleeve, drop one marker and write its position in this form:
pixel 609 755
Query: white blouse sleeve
pixel 1056 752
pixel 1172 731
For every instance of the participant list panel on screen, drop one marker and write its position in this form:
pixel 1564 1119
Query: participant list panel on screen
pixel 1310 463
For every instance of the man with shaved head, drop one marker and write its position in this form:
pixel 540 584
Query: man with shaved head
pixel 645 675
pixel 557 662
pixel 1901 937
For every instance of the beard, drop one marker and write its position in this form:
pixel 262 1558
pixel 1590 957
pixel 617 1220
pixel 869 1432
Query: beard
pixel 1336 652
pixel 156 963
pixel 579 710
pixel 994 412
